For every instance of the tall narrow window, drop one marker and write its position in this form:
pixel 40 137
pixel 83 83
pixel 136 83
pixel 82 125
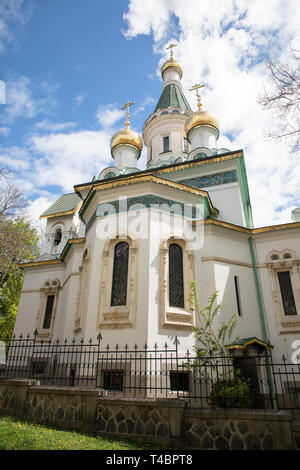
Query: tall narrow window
pixel 166 144
pixel 185 144
pixel 120 274
pixel 57 237
pixel 176 290
pixel 237 295
pixel 287 295
pixel 48 312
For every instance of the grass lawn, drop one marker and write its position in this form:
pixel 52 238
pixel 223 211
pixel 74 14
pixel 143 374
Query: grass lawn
pixel 20 435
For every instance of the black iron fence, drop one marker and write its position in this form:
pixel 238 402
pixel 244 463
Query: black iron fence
pixel 237 380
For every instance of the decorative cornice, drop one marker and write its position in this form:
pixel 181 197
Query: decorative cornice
pixel 254 231
pixel 72 241
pixel 204 161
pixel 61 214
pixel 39 263
pixel 154 179
pixel 227 261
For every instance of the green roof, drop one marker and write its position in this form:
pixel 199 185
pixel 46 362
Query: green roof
pixel 244 342
pixel 172 95
pixel 66 203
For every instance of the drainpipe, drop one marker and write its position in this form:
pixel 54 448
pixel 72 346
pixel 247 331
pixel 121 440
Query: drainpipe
pixel 262 320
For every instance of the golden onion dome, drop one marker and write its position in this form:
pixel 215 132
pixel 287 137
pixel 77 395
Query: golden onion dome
pixel 126 137
pixel 171 63
pixel 200 118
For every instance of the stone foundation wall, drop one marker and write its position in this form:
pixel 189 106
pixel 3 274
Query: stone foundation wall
pixel 238 430
pixel 166 422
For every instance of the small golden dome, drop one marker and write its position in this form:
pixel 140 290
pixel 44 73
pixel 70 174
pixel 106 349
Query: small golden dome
pixel 126 137
pixel 200 118
pixel 171 63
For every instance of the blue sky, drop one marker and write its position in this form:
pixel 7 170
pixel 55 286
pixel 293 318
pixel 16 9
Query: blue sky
pixel 70 65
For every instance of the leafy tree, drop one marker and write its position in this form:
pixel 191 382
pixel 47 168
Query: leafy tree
pixel 18 243
pixel 210 341
pixel 11 198
pixel 284 99
pixel 228 387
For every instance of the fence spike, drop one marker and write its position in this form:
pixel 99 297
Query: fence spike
pixel 99 337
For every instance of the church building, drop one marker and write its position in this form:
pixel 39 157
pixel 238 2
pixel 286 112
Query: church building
pixel 121 251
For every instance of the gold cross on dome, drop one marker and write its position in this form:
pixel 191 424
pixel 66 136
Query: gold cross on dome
pixel 171 51
pixel 129 103
pixel 196 88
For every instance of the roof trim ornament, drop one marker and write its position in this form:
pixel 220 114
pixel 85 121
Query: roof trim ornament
pixel 126 136
pixel 171 62
pixel 200 117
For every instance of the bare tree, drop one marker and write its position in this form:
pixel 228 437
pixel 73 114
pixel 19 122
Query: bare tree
pixel 11 198
pixel 284 99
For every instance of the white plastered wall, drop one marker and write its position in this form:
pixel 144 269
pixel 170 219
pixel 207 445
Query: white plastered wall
pixel 266 243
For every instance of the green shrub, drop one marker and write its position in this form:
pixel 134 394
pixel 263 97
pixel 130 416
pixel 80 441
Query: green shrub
pixel 234 392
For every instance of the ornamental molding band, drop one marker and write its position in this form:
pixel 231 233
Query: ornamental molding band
pixel 287 310
pixel 148 201
pixel 212 180
pixel 142 176
pixel 170 316
pixel 117 316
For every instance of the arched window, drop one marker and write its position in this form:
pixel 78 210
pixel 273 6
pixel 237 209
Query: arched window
pixel 57 237
pixel 120 274
pixel 176 289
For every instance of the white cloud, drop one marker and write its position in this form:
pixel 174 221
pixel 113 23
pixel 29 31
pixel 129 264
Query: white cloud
pixel 4 130
pixel 109 115
pixel 12 13
pixel 25 99
pixel 79 99
pixel 54 126
pixel 19 99
pixel 223 45
pixel 66 159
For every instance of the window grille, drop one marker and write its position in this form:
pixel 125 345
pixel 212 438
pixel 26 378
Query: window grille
pixel 120 274
pixel 176 289
pixel 287 295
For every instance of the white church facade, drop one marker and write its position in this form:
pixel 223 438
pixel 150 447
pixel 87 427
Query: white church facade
pixel 121 251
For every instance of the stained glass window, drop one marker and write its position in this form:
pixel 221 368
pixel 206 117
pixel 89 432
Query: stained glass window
pixel 120 274
pixel 287 295
pixel 176 290
pixel 48 311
